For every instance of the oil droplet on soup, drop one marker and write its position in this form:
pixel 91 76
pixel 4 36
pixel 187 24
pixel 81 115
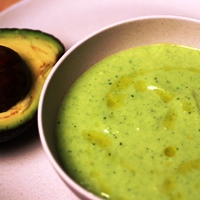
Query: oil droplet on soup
pixel 129 127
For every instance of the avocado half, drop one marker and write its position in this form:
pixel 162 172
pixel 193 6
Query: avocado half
pixel 40 51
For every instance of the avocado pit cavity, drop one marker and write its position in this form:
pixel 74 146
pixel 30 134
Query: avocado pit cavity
pixel 15 78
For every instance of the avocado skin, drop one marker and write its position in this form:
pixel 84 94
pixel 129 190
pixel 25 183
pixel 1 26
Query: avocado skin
pixel 23 129
pixel 24 31
pixel 12 132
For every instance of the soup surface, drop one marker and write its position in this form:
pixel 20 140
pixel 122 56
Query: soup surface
pixel 129 128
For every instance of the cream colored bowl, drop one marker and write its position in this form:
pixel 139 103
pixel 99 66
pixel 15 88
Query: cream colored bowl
pixel 80 57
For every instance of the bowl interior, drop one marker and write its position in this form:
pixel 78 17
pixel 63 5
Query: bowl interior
pixel 118 37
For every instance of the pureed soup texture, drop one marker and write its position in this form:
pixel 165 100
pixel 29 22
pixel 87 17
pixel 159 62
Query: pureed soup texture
pixel 129 128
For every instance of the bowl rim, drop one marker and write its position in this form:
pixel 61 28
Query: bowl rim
pixel 74 186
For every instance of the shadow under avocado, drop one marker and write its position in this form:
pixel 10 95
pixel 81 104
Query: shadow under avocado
pixel 21 142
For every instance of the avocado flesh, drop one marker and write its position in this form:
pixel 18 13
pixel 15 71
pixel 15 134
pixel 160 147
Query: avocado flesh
pixel 40 51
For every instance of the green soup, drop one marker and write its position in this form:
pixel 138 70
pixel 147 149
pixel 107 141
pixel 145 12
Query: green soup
pixel 129 128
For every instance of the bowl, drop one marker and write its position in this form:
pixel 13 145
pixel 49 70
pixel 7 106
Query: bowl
pixel 80 57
